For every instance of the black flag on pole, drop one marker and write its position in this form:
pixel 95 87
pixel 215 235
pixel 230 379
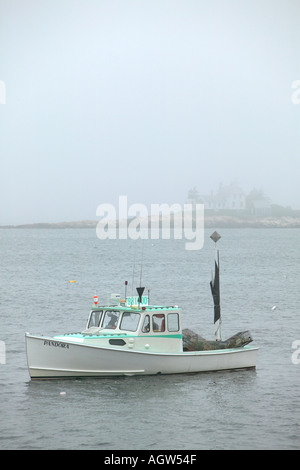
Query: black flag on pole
pixel 215 290
pixel 140 291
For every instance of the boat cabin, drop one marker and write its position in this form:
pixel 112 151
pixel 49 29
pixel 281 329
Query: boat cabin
pixel 146 320
pixel 141 328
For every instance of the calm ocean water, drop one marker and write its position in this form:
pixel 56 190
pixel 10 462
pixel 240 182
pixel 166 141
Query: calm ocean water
pixel 259 409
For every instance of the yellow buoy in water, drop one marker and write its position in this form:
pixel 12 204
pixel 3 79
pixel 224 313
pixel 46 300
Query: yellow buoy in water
pixel 72 281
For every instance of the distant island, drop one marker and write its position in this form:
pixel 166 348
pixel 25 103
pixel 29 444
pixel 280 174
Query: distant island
pixel 56 225
pixel 228 207
pixel 210 221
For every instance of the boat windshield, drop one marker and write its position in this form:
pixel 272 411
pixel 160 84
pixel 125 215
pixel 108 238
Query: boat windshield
pixel 95 318
pixel 130 321
pixel 110 319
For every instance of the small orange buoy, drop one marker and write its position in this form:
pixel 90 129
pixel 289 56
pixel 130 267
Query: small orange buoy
pixel 96 300
pixel 72 281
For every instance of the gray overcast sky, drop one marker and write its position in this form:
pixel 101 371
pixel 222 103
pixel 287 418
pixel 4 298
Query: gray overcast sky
pixel 145 98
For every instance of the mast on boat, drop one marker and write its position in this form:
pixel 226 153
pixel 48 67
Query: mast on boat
pixel 215 289
pixel 140 290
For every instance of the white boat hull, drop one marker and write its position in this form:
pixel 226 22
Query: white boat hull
pixel 51 358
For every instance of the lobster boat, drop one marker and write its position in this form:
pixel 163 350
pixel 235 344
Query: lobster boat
pixel 122 338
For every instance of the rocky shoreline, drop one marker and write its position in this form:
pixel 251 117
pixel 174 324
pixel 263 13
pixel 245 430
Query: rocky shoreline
pixel 252 222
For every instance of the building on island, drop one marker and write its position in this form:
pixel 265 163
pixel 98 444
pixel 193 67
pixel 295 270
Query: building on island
pixel 258 205
pixel 232 199
pixel 226 198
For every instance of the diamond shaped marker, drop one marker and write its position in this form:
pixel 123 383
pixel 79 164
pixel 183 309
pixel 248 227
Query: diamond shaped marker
pixel 215 236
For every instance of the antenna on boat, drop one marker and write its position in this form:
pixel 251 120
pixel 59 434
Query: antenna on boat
pixel 132 283
pixel 126 284
pixel 140 290
pixel 215 289
pixel 142 264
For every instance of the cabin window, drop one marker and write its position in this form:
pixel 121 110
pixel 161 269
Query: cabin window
pixel 110 319
pixel 130 321
pixel 95 318
pixel 158 322
pixel 173 322
pixel 146 324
